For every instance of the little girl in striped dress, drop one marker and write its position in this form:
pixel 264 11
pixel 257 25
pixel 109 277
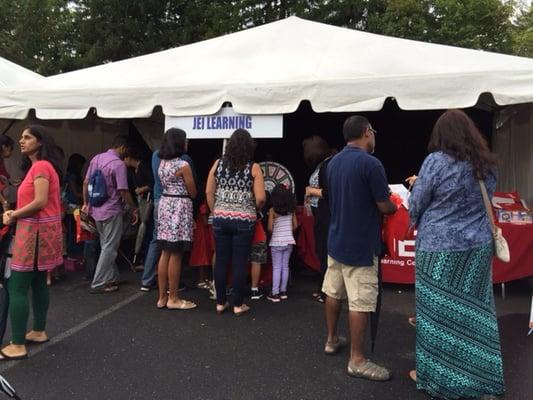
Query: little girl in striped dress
pixel 281 224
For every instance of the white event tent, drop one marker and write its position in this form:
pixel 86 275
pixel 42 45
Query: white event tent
pixel 270 69
pixel 13 75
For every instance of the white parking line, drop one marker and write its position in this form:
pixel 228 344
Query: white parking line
pixel 62 336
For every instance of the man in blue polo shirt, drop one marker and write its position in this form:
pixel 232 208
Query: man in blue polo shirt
pixel 358 195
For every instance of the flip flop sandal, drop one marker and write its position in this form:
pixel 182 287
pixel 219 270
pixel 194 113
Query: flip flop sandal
pixel 370 371
pixel 221 309
pixel 182 305
pixel 31 341
pixel 332 348
pixel 244 310
pixel 107 289
pixel 5 357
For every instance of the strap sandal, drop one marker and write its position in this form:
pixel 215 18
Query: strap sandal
pixel 370 371
pixel 106 289
pixel 221 308
pixel 5 357
pixel 32 338
pixel 181 305
pixel 33 341
pixel 162 303
pixel 332 348
pixel 243 310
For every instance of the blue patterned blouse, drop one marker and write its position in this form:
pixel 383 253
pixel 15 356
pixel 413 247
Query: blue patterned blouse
pixel 447 207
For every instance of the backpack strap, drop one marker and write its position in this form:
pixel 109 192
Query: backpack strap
pixel 105 165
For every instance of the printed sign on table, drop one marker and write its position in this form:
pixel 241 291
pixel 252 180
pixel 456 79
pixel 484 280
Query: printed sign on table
pixel 398 265
pixel 222 124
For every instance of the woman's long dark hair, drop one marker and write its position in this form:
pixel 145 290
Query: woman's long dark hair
pixel 239 150
pixel 283 201
pixel 47 151
pixel 6 141
pixel 75 164
pixel 316 150
pixel 458 136
pixel 173 144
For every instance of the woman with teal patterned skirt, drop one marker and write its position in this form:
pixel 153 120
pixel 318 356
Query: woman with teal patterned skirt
pixel 457 340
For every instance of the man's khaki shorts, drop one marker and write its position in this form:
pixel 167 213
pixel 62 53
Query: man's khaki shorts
pixel 357 283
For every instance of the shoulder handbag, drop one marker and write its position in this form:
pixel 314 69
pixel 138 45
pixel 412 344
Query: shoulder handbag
pixel 501 248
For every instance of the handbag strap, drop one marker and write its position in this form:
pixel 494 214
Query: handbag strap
pixel 488 206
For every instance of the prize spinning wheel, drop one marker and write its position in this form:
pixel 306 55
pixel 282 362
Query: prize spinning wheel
pixel 276 174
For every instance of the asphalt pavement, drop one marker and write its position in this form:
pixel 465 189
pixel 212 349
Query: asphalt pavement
pixel 119 346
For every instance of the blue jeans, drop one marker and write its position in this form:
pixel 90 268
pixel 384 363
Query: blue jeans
pixel 233 240
pixel 152 255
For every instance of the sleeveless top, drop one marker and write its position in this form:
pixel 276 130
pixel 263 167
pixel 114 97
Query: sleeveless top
pixel 313 182
pixel 282 231
pixel 234 196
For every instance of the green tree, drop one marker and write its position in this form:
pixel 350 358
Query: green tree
pixel 476 24
pixel 523 34
pixel 37 34
pixel 112 30
pixel 408 19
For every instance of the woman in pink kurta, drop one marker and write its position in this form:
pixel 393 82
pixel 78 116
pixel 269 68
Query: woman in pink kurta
pixel 38 242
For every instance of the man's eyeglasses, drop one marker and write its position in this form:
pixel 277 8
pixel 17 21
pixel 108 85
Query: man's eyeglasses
pixel 372 130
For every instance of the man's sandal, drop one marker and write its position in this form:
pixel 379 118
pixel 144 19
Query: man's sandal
pixel 332 348
pixel 370 371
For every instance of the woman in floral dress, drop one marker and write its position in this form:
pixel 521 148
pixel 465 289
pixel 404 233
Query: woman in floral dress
pixel 175 223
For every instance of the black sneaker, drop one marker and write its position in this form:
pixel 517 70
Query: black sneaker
pixel 256 294
pixel 273 298
pixel 147 288
pixel 283 295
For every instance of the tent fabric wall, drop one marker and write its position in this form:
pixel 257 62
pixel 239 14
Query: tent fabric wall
pixel 513 142
pixel 87 137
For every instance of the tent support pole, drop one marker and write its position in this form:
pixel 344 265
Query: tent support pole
pixel 224 144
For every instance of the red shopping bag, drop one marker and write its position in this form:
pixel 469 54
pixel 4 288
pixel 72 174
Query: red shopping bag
pixel 84 230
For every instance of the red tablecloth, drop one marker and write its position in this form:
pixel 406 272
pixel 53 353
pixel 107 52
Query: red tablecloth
pixel 305 242
pixel 520 239
pixel 400 268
